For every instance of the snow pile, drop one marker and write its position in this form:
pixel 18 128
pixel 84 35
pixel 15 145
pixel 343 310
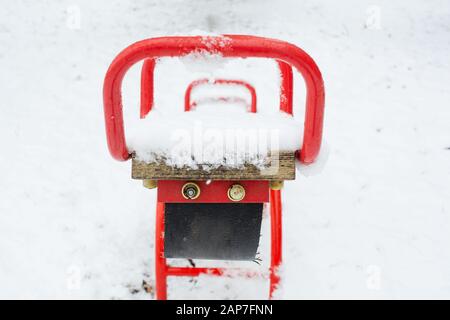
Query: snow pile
pixel 214 135
pixel 219 130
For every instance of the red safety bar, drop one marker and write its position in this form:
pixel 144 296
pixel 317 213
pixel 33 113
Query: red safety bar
pixel 227 46
pixel 287 55
pixel 147 76
pixel 286 88
pixel 187 97
pixel 147 87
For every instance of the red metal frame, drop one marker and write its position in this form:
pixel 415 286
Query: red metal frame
pixel 187 96
pixel 147 87
pixel 256 191
pixel 163 270
pixel 148 69
pixel 227 46
pixel 286 87
pixel 276 249
pixel 286 55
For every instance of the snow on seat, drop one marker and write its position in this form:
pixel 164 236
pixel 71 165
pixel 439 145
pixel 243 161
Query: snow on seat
pixel 215 141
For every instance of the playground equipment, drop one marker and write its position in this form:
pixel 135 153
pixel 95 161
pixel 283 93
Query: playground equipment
pixel 214 214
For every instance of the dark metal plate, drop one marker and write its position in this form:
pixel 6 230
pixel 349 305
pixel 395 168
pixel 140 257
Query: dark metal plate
pixel 216 231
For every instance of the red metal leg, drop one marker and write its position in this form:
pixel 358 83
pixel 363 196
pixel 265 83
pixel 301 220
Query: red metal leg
pixel 276 235
pixel 160 261
pixel 162 270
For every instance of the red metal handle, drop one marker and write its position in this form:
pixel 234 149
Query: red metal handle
pixel 227 46
pixel 187 97
pixel 147 76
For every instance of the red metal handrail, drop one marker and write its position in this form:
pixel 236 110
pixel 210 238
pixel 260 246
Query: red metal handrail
pixel 286 87
pixel 227 46
pixel 187 97
pixel 147 87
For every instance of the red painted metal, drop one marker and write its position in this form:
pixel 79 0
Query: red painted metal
pixel 147 86
pixel 287 56
pixel 162 270
pixel 226 272
pixel 276 239
pixel 286 88
pixel 160 261
pixel 227 46
pixel 187 97
pixel 169 191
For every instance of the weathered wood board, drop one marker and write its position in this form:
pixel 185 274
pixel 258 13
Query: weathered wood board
pixel 280 166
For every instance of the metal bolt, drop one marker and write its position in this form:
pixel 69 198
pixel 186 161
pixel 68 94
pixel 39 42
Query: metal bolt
pixel 236 192
pixel 190 191
pixel 150 184
pixel 276 185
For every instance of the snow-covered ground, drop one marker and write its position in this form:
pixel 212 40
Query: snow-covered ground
pixel 374 222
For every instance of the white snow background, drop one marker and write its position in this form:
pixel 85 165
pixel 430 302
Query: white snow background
pixel 374 222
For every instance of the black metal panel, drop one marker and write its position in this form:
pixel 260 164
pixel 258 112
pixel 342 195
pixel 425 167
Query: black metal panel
pixel 217 231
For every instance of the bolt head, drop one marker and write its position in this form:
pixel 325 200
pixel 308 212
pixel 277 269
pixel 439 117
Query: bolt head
pixel 236 192
pixel 190 191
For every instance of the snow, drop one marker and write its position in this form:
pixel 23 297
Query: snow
pixel 372 223
pixel 216 133
pixel 224 135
